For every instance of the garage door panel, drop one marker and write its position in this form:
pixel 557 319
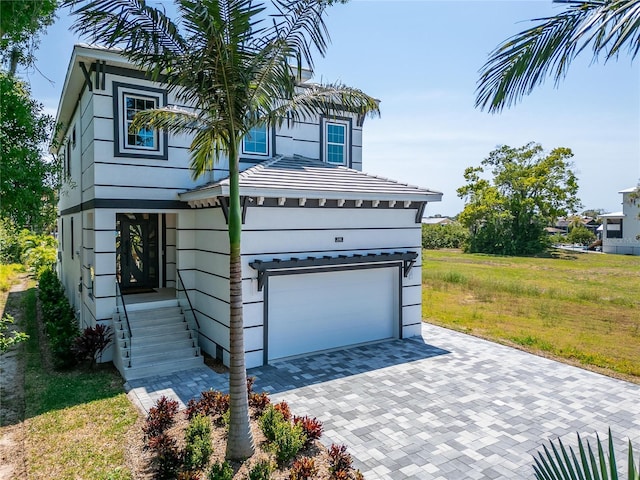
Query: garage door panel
pixel 318 311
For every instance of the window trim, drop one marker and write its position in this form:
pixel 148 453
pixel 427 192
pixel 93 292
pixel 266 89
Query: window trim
pixel 267 143
pixel 347 123
pixel 120 147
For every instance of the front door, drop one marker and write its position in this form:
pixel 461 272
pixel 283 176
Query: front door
pixel 137 251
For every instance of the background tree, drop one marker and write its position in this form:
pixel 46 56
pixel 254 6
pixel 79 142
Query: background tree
pixel 580 234
pixel 27 183
pixel 237 71
pixel 21 22
pixel 507 214
pixel 525 60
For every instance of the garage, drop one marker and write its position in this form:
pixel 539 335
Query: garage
pixel 308 312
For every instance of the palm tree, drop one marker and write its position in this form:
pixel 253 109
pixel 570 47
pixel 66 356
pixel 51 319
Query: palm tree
pixel 523 61
pixel 237 71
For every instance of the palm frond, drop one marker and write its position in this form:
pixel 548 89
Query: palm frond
pixel 329 100
pixel 525 60
pixel 145 34
pixel 598 465
pixel 172 120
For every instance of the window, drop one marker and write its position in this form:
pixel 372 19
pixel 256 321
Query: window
pixel 614 228
pixel 335 140
pixel 336 136
pixel 128 100
pixel 67 160
pixel 255 142
pixel 144 138
pixel 72 242
pixel 73 137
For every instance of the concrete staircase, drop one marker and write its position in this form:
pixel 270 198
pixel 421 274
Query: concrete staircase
pixel 161 340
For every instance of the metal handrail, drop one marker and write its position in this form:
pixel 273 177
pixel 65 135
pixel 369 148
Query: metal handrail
pixel 186 293
pixel 124 306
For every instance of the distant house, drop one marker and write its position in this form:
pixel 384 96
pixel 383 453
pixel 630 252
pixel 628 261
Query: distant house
pixel 562 224
pixel 437 221
pixel 331 256
pixel 621 230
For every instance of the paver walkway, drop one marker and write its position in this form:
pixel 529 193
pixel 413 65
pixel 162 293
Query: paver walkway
pixel 450 406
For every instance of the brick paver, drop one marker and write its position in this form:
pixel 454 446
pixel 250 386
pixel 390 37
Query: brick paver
pixel 448 406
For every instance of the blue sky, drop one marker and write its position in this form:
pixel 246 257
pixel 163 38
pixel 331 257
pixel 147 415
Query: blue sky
pixel 421 59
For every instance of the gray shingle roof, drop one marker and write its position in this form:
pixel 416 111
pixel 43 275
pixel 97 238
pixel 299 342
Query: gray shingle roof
pixel 300 177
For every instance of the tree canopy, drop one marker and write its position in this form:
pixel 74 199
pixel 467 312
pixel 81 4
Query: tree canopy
pixel 507 213
pixel 27 183
pixel 21 22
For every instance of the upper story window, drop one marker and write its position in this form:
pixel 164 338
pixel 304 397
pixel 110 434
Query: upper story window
pixel 336 147
pixel 144 138
pixel 256 141
pixel 336 141
pixel 128 100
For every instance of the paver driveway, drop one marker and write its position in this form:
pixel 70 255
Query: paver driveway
pixel 450 406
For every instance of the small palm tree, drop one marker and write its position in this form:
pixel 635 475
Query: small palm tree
pixel 524 61
pixel 560 464
pixel 237 71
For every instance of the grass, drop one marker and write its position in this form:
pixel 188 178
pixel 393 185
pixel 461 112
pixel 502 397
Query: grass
pixel 581 308
pixel 8 276
pixel 77 422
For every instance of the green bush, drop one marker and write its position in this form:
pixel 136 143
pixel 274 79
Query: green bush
pixel 261 470
pixel 198 446
pixel 221 471
pixel 452 235
pixel 268 422
pixel 14 337
pixel 59 320
pixel 287 442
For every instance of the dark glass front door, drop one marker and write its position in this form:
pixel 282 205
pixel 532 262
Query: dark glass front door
pixel 137 251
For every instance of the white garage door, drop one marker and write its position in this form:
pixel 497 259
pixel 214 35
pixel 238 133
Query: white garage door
pixel 317 311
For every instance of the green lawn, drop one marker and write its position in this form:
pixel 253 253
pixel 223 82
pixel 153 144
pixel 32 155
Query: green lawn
pixel 76 422
pixel 581 307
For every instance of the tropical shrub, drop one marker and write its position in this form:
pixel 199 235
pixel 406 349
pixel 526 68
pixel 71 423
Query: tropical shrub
pixel 303 469
pixel 283 408
pixel 166 456
pixel 261 470
pixel 339 461
pixel 269 421
pixel 211 402
pixel 198 446
pixel 559 464
pixel 59 319
pixel 259 401
pixel 287 441
pixel 92 343
pixel 311 426
pixel 221 471
pixel 160 418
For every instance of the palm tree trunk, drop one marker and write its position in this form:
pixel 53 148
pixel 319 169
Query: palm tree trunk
pixel 240 440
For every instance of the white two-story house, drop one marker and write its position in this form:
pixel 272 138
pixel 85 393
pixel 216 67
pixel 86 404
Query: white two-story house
pixel 331 255
pixel 621 230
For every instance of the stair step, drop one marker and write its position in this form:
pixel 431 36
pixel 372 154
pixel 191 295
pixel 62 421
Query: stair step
pixel 162 338
pixel 138 360
pixel 169 347
pixel 151 330
pixel 134 307
pixel 151 322
pixel 162 368
pixel 155 313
